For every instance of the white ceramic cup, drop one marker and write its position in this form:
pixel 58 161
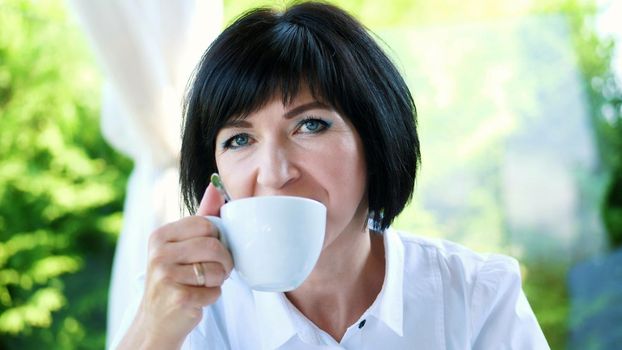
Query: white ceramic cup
pixel 275 241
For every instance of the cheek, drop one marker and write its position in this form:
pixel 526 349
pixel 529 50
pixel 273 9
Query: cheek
pixel 348 163
pixel 343 175
pixel 236 176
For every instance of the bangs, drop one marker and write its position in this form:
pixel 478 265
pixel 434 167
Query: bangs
pixel 277 63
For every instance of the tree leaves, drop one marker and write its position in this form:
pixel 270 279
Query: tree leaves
pixel 61 185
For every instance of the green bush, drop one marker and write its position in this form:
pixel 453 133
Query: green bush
pixel 61 185
pixel 605 97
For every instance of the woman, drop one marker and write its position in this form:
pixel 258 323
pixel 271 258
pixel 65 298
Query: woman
pixel 305 103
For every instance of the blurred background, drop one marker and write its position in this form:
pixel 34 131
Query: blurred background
pixel 520 115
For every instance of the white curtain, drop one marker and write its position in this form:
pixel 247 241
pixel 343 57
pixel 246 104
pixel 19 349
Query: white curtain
pixel 147 50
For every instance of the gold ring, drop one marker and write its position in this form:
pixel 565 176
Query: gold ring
pixel 199 273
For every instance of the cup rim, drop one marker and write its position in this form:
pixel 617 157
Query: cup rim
pixel 269 197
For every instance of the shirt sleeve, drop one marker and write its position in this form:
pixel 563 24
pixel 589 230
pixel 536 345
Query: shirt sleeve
pixel 501 315
pixel 130 312
pixel 206 336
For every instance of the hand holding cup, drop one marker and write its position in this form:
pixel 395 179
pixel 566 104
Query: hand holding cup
pixel 187 265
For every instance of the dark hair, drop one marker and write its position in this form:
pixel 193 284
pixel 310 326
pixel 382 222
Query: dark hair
pixel 314 45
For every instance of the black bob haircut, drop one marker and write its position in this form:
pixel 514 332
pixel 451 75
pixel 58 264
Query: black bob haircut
pixel 310 45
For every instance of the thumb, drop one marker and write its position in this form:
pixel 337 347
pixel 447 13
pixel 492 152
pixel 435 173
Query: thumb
pixel 211 202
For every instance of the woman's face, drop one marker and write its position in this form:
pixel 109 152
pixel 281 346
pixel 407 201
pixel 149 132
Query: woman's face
pixel 302 149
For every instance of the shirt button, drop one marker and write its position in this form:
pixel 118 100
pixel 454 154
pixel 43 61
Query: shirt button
pixel 361 324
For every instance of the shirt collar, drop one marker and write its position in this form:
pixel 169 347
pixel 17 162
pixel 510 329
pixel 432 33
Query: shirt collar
pixel 389 308
pixel 275 324
pixel 273 308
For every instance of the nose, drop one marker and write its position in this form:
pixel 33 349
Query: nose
pixel 276 166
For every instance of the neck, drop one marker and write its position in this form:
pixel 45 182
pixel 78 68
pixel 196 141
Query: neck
pixel 344 283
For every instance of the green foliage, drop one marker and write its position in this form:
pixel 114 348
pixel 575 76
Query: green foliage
pixel 612 205
pixel 605 96
pixel 61 185
pixel 546 291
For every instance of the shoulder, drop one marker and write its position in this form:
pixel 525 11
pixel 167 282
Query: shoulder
pixel 459 266
pixel 454 254
pixel 479 296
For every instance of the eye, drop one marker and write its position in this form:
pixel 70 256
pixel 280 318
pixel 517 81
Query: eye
pixel 312 126
pixel 236 141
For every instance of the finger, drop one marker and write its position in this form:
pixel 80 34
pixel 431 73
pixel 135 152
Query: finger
pixel 214 273
pixel 208 249
pixel 184 229
pixel 211 202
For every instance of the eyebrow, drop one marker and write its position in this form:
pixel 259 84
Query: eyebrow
pixel 241 123
pixel 305 107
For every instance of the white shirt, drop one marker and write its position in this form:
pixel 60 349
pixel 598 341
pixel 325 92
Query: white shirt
pixel 436 295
